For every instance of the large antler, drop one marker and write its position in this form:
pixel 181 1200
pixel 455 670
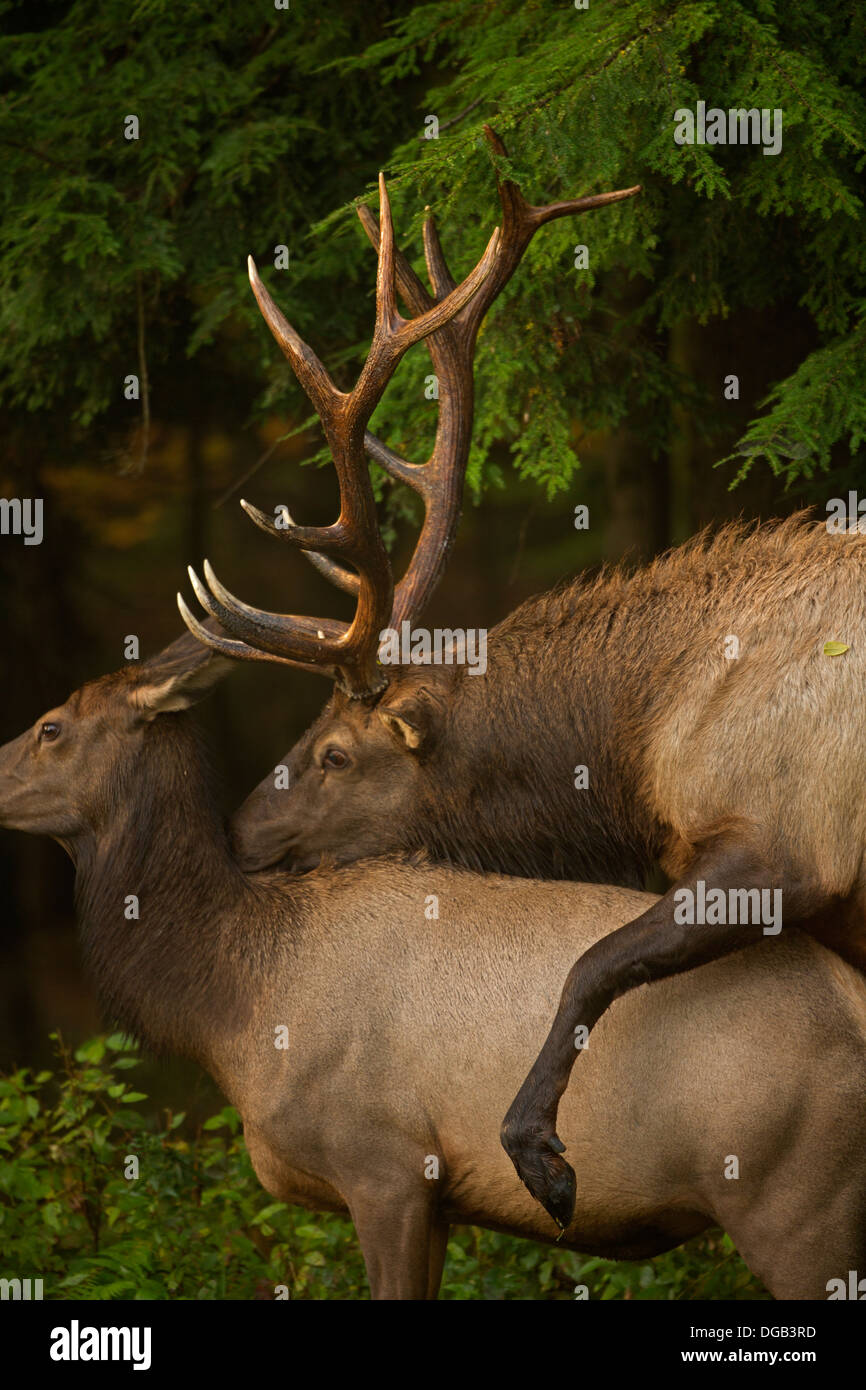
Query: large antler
pixel 349 652
pixel 439 481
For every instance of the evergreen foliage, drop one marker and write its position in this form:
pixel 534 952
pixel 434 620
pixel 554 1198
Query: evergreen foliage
pixel 259 128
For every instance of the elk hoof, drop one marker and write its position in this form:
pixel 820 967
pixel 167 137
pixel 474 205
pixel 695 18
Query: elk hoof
pixel 535 1154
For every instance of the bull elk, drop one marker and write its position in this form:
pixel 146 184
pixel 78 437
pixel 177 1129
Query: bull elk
pixel 405 1035
pixel 740 773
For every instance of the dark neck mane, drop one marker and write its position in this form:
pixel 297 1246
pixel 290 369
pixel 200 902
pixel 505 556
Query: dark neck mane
pixel 177 972
pixel 557 695
pixel 578 676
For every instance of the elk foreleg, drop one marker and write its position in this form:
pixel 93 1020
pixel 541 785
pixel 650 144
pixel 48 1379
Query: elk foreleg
pixel 655 945
pixel 403 1241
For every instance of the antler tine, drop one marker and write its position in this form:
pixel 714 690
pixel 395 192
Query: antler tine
pixel 550 211
pixel 418 299
pixel 400 333
pixel 521 220
pixel 437 268
pixel 307 368
pixel 239 651
pixel 351 650
pixel 341 578
pixel 387 318
pixel 222 605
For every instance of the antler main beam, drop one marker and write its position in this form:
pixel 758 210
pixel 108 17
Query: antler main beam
pixel 354 537
pixel 439 481
pixel 350 552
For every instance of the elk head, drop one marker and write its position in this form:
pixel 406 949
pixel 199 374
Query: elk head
pixel 67 775
pixel 353 777
pixel 345 789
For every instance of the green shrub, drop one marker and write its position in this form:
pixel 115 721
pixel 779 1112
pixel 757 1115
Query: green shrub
pixel 195 1223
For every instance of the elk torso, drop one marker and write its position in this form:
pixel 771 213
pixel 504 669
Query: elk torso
pixel 404 1035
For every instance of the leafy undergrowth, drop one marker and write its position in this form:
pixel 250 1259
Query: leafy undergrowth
pixel 103 1200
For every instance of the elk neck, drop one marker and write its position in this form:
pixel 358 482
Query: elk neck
pixel 172 931
pixel 558 696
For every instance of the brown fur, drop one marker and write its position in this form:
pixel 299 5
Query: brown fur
pixel 744 772
pixel 626 674
pixel 407 1035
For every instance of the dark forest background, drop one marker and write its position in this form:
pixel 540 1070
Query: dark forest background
pixel 261 126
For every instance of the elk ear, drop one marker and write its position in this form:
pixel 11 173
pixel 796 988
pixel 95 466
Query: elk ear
pixel 410 720
pixel 177 677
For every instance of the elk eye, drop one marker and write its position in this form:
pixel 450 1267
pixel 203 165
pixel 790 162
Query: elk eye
pixel 48 733
pixel 335 757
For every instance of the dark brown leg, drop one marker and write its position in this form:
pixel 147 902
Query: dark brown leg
pixel 438 1250
pixel 401 1239
pixel 651 947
